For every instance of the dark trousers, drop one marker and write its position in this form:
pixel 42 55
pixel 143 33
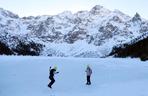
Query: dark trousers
pixel 88 80
pixel 51 82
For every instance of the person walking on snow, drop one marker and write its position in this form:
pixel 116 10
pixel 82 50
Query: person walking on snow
pixel 52 72
pixel 88 75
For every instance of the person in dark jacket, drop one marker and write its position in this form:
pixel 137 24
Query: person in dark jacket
pixel 88 75
pixel 52 72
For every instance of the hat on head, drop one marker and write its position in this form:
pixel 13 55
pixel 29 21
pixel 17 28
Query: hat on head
pixel 88 65
pixel 55 67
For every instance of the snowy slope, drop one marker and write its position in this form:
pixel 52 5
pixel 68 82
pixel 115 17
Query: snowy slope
pixel 28 76
pixel 90 33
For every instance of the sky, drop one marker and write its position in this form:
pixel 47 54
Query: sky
pixel 53 7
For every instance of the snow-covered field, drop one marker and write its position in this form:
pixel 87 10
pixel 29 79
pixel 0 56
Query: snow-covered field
pixel 28 76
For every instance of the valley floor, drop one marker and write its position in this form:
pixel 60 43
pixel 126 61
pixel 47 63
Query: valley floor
pixel 28 76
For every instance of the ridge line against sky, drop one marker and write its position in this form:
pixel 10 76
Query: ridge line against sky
pixel 53 7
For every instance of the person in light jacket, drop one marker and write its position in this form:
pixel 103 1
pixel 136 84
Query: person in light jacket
pixel 88 75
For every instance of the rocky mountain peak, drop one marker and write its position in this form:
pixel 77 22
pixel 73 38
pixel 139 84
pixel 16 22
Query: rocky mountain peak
pixel 137 17
pixel 99 10
pixel 6 13
pixel 97 7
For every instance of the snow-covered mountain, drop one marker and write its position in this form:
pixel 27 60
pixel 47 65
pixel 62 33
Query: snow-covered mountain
pixel 83 34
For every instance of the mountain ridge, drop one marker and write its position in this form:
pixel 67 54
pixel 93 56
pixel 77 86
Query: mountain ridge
pixel 83 34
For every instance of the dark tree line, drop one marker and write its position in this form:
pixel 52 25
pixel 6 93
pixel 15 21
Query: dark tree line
pixel 134 50
pixel 28 48
pixel 22 48
pixel 4 49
